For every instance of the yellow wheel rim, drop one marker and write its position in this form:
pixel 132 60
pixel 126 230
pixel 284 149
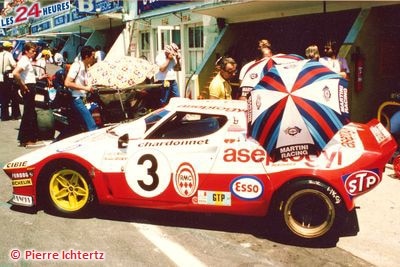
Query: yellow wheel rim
pixel 69 190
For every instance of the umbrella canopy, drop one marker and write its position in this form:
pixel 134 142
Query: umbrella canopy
pixel 123 72
pixel 297 107
pixel 256 69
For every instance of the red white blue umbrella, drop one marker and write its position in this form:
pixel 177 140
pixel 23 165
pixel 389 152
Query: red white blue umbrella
pixel 255 70
pixel 297 107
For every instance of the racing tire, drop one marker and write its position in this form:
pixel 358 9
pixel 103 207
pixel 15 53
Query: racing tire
pixel 68 190
pixel 307 211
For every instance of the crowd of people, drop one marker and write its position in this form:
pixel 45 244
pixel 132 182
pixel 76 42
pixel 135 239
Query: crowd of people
pixel 330 58
pixel 21 78
pixel 23 75
pixel 252 72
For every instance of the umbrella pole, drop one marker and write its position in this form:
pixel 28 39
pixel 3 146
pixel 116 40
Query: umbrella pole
pixel 122 104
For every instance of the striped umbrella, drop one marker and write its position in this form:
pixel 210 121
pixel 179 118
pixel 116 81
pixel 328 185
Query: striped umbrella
pixel 256 69
pixel 296 108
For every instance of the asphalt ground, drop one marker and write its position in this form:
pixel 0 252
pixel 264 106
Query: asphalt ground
pixel 378 241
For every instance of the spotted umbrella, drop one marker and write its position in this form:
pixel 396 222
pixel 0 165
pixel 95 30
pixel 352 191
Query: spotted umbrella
pixel 123 72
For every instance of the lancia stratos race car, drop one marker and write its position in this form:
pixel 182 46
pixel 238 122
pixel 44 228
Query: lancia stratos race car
pixel 197 156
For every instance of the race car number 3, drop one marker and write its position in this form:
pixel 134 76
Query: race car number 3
pixel 148 174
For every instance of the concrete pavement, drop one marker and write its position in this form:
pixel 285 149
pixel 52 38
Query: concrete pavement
pixel 378 241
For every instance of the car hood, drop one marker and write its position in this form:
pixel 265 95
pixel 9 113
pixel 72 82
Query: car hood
pixel 85 145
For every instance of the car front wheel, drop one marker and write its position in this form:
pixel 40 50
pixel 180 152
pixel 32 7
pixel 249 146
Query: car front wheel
pixel 69 191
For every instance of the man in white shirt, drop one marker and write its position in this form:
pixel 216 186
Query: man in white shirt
pixel 24 76
pixel 7 64
pixel 169 62
pixel 76 81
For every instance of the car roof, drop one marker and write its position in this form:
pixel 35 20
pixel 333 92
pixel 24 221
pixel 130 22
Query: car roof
pixel 210 106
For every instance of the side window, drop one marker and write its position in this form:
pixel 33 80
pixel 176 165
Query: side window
pixel 145 45
pixel 188 125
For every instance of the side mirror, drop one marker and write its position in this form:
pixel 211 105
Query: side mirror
pixel 123 141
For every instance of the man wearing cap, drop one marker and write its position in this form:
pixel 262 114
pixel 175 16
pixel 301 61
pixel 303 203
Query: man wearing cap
pixel 169 62
pixel 40 65
pixel 7 64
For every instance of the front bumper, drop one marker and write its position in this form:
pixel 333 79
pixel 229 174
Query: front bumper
pixel 22 200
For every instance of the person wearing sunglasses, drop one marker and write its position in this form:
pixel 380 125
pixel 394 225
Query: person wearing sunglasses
pixel 220 87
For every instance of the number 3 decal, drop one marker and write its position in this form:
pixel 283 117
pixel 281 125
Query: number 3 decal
pixel 152 172
pixel 148 174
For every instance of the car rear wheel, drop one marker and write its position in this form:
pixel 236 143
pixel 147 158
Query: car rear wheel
pixel 308 211
pixel 69 191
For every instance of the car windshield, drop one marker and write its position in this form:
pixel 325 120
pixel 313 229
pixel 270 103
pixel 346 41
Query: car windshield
pixel 154 117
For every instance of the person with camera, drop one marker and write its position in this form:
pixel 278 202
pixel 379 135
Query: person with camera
pixel 169 62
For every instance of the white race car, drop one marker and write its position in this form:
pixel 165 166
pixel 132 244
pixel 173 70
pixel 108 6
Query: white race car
pixel 197 156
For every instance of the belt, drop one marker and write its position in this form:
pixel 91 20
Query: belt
pixel 83 98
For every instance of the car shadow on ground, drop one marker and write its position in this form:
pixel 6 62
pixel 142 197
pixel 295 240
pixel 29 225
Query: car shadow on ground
pixel 256 226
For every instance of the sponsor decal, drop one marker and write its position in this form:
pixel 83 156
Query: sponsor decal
pixel 174 143
pixel 347 138
pixel 186 180
pixel 246 90
pixel 16 164
pixel 21 182
pixel 332 192
pixel 360 182
pixel 22 200
pixel 25 13
pixel 20 175
pixel 295 150
pixel 148 5
pixel 250 109
pixel 253 76
pixel 120 156
pixel 227 109
pixel 70 147
pixel 292 130
pixel 380 133
pixel 327 93
pixel 247 187
pixel 213 198
pixel 343 100
pixel 95 6
pixel 243 155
